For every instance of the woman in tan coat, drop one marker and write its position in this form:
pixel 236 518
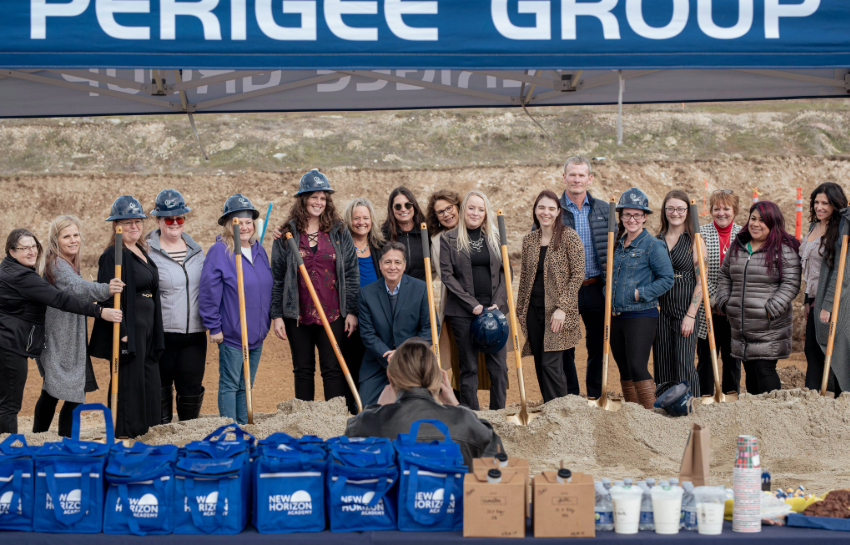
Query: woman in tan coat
pixel 547 307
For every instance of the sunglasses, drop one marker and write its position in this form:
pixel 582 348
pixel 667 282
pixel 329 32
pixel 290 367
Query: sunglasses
pixel 724 191
pixel 408 205
pixel 172 221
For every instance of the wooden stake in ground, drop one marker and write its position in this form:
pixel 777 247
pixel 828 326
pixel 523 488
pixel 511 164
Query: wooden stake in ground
pixel 240 288
pixel 718 396
pixel 836 302
pixel 524 417
pixel 426 251
pixel 604 402
pixel 116 327
pixel 293 247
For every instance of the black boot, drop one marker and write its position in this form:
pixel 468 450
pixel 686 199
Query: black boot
pixel 167 410
pixel 189 407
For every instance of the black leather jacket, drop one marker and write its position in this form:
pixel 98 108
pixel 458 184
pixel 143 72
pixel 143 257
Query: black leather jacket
pixel 475 436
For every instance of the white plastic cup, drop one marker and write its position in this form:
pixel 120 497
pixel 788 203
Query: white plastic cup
pixel 626 504
pixel 667 509
pixel 711 507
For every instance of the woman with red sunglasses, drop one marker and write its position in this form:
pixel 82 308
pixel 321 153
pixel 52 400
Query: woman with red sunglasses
pixel 180 261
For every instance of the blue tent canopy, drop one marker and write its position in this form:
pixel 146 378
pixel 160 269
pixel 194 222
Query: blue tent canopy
pixel 103 57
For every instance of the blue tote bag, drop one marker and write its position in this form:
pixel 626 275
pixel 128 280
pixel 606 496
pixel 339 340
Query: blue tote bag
pixel 140 486
pixel 69 483
pixel 361 484
pixel 289 485
pixel 430 493
pixel 16 484
pixel 212 484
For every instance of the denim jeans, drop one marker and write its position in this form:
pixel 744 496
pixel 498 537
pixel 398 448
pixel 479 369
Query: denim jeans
pixel 231 381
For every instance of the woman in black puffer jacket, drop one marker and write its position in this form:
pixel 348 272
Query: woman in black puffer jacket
pixel 759 279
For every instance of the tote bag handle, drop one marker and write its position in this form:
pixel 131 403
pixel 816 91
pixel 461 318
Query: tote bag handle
pixel 17 488
pixel 413 488
pixel 382 486
pixel 127 513
pixel 413 435
pixel 107 418
pixel 7 448
pixel 195 508
pixel 85 488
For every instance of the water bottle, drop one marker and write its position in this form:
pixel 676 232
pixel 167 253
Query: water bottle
pixel 647 521
pixel 674 482
pixel 650 482
pixel 689 507
pixel 627 482
pixel 606 482
pixel 604 509
pixel 618 483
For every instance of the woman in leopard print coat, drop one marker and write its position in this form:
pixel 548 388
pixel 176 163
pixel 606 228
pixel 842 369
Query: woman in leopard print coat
pixel 547 307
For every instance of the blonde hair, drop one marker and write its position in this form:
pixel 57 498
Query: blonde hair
pixel 414 366
pixel 488 226
pixel 227 234
pixel 59 224
pixel 375 238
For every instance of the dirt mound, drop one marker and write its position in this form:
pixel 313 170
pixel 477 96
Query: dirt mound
pixel 792 377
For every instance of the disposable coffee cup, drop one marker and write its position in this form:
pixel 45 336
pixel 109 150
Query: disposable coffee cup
pixel 711 507
pixel 666 509
pixel 494 476
pixel 564 476
pixel 626 504
pixel 502 459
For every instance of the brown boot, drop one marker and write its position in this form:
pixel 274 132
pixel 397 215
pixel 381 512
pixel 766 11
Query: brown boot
pixel 629 393
pixel 645 393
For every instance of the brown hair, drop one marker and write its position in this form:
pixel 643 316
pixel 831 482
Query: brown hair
pixel 558 228
pixel 689 222
pixel 431 219
pixel 414 366
pixel 390 227
pixel 299 214
pixel 728 199
pixel 18 234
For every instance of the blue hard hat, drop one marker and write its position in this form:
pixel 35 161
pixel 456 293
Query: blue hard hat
pixel 489 331
pixel 634 198
pixel 314 181
pixel 126 207
pixel 675 398
pixel 169 202
pixel 237 203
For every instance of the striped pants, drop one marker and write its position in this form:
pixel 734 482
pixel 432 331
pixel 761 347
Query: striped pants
pixel 673 354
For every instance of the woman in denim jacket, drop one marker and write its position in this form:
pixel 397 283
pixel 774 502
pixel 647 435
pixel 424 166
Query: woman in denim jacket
pixel 642 272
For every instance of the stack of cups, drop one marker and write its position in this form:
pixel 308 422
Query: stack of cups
pixel 746 484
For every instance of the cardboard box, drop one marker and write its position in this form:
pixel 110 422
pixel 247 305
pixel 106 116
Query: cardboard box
pixel 517 464
pixel 494 510
pixel 563 509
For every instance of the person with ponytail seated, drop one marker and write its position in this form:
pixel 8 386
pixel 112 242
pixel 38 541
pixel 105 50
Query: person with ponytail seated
pixel 418 389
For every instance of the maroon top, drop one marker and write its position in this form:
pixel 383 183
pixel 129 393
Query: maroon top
pixel 321 266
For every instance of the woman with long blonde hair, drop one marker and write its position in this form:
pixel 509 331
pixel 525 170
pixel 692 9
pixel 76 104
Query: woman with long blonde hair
pixel 64 362
pixel 472 271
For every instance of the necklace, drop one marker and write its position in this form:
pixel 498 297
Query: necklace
pixel 477 245
pixel 363 251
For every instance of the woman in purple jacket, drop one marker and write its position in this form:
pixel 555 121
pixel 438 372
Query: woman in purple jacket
pixel 219 304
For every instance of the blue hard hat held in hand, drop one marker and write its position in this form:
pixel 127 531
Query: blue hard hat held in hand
pixel 634 198
pixel 169 202
pixel 489 331
pixel 237 203
pixel 314 181
pixel 126 207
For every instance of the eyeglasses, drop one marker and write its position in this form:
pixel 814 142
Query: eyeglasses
pixel 172 221
pixel 680 211
pixel 724 191
pixel 131 223
pixel 27 249
pixel 632 217
pixel 444 211
pixel 408 205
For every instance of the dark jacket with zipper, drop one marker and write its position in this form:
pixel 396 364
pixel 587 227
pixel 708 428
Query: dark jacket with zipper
pixel 179 285
pixel 412 241
pixel 474 435
pixel 758 305
pixel 285 302
pixel 100 344
pixel 24 298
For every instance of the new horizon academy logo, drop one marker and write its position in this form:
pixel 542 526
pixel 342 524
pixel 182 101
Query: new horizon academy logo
pixel 298 503
pixel 207 504
pixel 361 504
pixel 6 503
pixel 433 501
pixel 70 502
pixel 146 507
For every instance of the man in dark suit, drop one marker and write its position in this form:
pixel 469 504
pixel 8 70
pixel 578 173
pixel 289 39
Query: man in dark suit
pixel 392 310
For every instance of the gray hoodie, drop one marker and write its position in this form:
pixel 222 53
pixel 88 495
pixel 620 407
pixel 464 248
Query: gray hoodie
pixel 179 304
